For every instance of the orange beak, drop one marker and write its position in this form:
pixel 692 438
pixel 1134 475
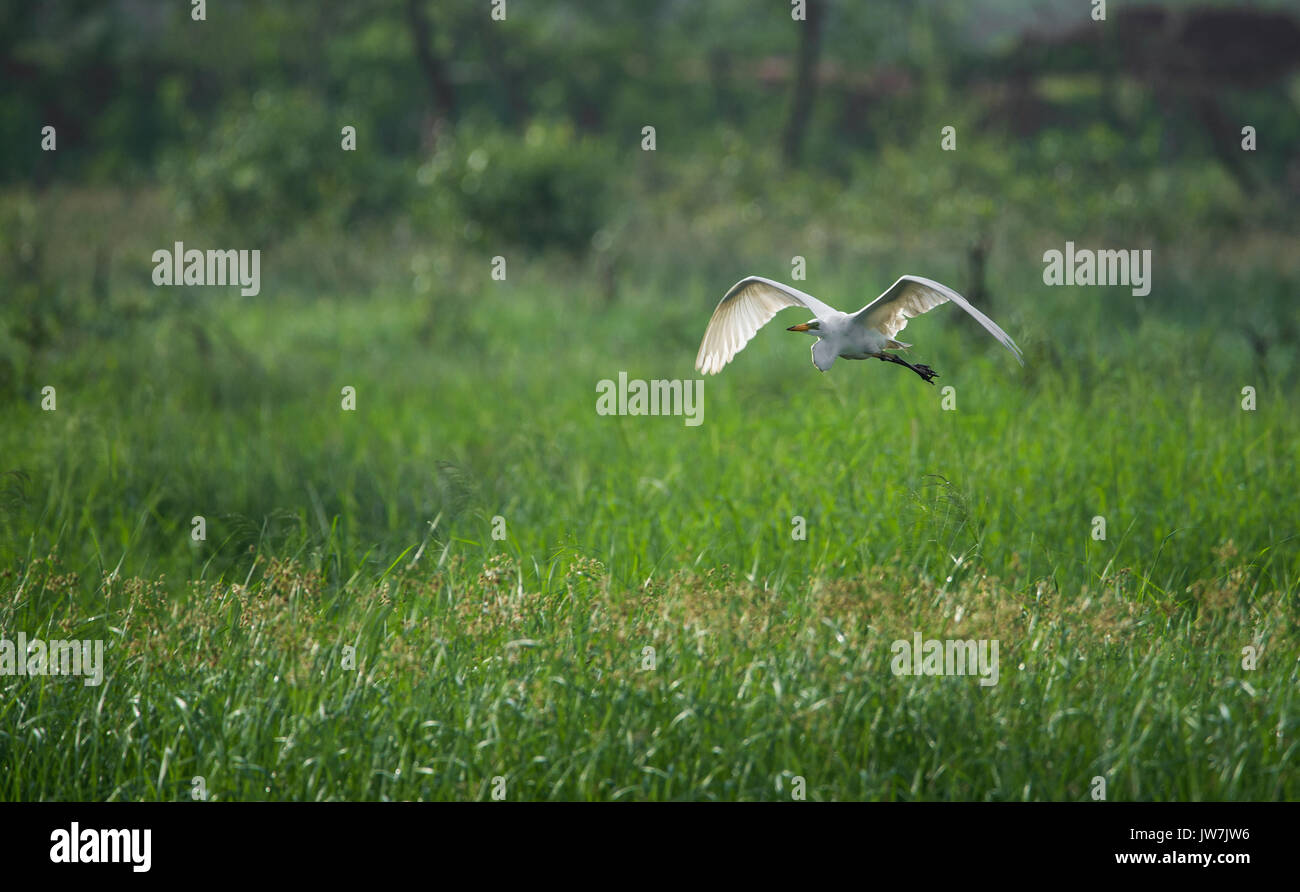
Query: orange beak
pixel 802 326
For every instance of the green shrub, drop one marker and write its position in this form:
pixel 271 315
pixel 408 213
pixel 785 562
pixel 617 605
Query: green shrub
pixel 264 168
pixel 545 189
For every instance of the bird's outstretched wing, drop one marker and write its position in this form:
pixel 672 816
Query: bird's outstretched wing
pixel 913 295
pixel 743 310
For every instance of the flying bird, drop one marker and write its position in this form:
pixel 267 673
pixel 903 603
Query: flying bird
pixel 753 301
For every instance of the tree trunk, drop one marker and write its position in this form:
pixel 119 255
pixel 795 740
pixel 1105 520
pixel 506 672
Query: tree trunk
pixel 805 83
pixel 435 71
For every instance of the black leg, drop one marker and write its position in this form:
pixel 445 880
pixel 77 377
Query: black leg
pixel 927 374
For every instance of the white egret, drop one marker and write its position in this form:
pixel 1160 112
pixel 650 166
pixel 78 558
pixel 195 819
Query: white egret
pixel 868 333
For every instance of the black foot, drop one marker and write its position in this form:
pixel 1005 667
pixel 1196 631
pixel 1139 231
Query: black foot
pixel 927 374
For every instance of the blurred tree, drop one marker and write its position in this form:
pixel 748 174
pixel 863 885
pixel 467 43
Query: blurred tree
pixel 433 68
pixel 805 82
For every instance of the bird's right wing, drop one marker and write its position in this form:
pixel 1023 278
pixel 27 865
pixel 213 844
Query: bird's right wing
pixel 911 296
pixel 748 306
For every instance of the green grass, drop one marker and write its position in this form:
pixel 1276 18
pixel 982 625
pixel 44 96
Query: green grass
pixel 526 658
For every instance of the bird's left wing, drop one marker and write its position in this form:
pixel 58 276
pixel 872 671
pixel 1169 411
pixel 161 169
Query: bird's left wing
pixel 913 295
pixel 748 306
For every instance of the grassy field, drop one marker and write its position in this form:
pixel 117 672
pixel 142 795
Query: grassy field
pixel 649 627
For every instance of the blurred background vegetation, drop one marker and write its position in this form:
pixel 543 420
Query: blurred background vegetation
pixel 523 138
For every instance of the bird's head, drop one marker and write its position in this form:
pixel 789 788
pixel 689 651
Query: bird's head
pixel 813 327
